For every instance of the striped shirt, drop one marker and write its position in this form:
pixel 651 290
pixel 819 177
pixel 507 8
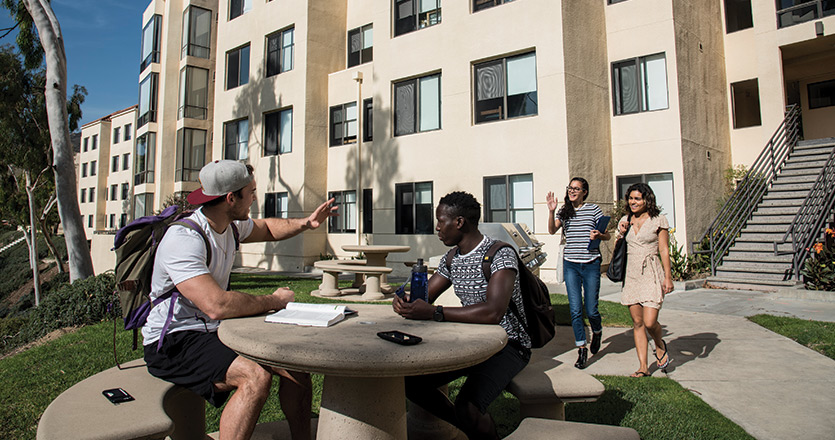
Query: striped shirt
pixel 577 230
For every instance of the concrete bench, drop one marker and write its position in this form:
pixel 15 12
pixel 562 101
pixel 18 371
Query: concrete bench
pixel 278 430
pixel 543 388
pixel 533 428
pixel 330 276
pixel 161 409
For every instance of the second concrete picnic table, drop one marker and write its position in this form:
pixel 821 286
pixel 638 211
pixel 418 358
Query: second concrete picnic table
pixel 375 255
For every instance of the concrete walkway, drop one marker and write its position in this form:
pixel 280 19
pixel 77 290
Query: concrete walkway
pixel 771 386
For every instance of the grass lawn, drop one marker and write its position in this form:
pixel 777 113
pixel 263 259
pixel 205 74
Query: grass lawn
pixel 817 335
pixel 656 408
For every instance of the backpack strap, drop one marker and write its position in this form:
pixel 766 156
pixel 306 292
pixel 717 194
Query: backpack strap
pixel 449 255
pixel 191 224
pixel 485 267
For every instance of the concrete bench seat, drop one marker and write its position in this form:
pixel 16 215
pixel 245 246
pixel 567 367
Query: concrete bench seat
pixel 330 275
pixel 533 428
pixel 160 409
pixel 543 388
pixel 278 430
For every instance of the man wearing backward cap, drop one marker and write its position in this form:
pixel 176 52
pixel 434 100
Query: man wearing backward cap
pixel 191 354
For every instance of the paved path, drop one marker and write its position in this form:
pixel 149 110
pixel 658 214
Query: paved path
pixel 769 385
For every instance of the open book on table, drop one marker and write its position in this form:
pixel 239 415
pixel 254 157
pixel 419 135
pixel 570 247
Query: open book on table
pixel 315 315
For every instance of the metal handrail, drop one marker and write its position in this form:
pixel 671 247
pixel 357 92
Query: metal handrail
pixel 810 218
pixel 736 211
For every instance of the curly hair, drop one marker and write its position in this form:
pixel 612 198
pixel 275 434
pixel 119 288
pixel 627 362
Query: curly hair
pixel 567 210
pixel 462 204
pixel 647 195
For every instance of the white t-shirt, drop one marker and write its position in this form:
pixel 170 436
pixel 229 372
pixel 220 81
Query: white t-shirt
pixel 181 256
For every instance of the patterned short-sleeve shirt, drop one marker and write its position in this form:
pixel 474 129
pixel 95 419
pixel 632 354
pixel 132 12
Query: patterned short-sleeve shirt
pixel 470 286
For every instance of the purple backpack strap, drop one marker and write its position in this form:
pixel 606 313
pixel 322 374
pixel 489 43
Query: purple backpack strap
pixel 173 294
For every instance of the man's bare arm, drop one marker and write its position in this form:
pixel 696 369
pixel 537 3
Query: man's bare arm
pixel 217 303
pixel 274 229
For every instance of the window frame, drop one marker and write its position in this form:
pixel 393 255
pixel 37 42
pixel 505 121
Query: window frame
pixel 511 212
pixel 116 135
pixel 503 110
pixel 417 104
pixel 639 64
pixel 154 53
pixel 127 131
pixel 125 190
pixel 150 115
pixel 480 5
pixel 95 143
pixel 114 163
pixel 114 190
pixel 271 200
pixel 245 6
pixel 238 143
pixel 410 213
pixel 86 143
pixel 125 161
pixel 279 148
pixel 189 158
pixel 278 58
pixel 93 168
pixel 368 120
pixel 828 84
pixel 421 19
pixel 363 54
pixel 192 103
pixel 148 204
pixel 144 173
pixel 737 88
pixel 344 124
pixel 190 22
pixel 240 64
pixel 622 183
pixel 83 195
pixel 84 169
pixel 340 224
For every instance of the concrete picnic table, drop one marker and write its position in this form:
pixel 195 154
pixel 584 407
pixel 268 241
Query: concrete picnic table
pixel 375 255
pixel 363 395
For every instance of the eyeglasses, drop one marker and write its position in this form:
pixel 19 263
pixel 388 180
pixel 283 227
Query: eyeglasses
pixel 573 189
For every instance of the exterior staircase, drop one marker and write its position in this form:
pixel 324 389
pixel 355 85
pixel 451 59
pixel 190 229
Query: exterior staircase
pixel 10 245
pixel 751 261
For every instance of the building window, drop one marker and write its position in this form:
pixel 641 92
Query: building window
pixel 85 143
pixel 147 100
pixel 280 52
pixel 238 8
pixel 484 4
pixel 116 135
pixel 112 221
pixel 83 197
pixel 127 132
pixel 746 103
pixel 413 208
pixel 114 163
pixel 236 140
pixel 150 42
pixel 93 168
pixel 197 31
pixel 509 199
pixel 367 121
pixel 143 205
pixel 113 191
pixel 194 93
pixel 417 105
pixel 506 88
pixel 791 12
pixel 738 15
pixel 91 192
pixel 367 214
pixel 278 132
pixel 123 219
pixel 95 142
pixel 411 15
pixel 360 45
pixel 662 186
pixel 145 151
pixel 90 221
pixel 821 94
pixel 191 154
pixel 125 191
pixel 237 67
pixel 346 221
pixel 276 205
pixel 125 161
pixel 343 124
pixel 611 2
pixel 84 169
pixel 640 84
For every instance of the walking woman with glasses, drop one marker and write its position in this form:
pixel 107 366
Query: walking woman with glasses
pixel 648 275
pixel 581 266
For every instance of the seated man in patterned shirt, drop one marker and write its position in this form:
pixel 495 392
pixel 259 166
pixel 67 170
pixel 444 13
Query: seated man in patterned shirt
pixel 483 302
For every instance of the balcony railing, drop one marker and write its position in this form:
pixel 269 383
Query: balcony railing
pixel 804 12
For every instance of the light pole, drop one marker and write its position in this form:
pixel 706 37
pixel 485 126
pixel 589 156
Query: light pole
pixel 358 78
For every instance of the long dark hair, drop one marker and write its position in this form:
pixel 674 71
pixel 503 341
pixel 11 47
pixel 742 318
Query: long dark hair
pixel 648 196
pixel 567 210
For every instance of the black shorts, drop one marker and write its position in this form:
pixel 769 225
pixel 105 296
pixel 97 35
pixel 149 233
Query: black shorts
pixel 193 360
pixel 485 381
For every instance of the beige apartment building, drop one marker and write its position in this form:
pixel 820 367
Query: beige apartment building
pixel 387 105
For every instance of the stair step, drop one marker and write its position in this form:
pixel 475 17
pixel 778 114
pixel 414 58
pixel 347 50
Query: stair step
pixel 809 158
pixel 742 283
pixel 777 211
pixel 800 178
pixel 801 195
pixel 764 267
pixel 767 257
pixel 810 164
pixel 760 228
pixel 760 218
pixel 801 172
pixel 753 274
pixel 791 186
pixel 811 152
pixel 781 203
pixel 816 143
pixel 765 237
pixel 765 247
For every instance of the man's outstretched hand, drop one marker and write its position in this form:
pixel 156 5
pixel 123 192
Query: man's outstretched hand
pixel 321 214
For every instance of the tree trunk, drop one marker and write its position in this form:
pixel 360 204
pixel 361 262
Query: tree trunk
pixel 32 240
pixel 49 31
pixel 47 234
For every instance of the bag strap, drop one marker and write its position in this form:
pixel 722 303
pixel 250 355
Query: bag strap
pixel 485 267
pixel 191 224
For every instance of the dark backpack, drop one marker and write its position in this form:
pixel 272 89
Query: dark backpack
pixel 136 246
pixel 540 318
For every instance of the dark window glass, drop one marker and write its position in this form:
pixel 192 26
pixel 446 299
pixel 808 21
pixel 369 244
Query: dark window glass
pixel 343 124
pixel 276 205
pixel 280 52
pixel 197 30
pixel 150 42
pixel 125 161
pixel 484 4
pixel 238 8
pixel 194 93
pixel 145 152
pixel 278 132
pixel 236 140
pixel 367 120
pixel 360 45
pixel 125 191
pixel 367 204
pixel 237 67
pixel 413 208
pixel 746 103
pixel 640 84
pixel 509 199
pixel 346 221
pixel 191 154
pixel 417 105
pixel 738 15
pixel 147 101
pixel 821 94
pixel 114 163
pixel 411 15
pixel 506 88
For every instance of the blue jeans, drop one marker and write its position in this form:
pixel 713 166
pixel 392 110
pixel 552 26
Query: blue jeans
pixel 583 278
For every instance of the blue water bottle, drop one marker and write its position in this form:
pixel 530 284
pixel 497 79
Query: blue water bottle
pixel 418 282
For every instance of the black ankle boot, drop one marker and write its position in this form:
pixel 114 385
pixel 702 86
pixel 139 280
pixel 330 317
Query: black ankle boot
pixel 595 342
pixel 582 357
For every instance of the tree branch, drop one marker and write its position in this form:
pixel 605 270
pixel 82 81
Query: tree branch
pixel 9 30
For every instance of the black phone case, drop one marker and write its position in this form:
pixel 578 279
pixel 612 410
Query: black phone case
pixel 399 337
pixel 117 395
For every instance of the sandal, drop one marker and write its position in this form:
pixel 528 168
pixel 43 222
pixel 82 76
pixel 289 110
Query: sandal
pixel 640 374
pixel 666 354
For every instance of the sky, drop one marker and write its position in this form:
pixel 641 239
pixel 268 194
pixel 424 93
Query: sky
pixel 102 42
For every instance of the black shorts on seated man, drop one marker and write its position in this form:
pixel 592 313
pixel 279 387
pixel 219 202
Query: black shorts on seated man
pixel 191 354
pixel 482 302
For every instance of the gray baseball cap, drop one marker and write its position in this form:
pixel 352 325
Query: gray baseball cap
pixel 219 178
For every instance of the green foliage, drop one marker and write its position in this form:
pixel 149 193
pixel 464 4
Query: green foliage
pixel 700 263
pixel 819 269
pixel 16 270
pixel 817 335
pixel 619 209
pixel 178 199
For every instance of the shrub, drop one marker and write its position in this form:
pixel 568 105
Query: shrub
pixel 679 260
pixel 819 270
